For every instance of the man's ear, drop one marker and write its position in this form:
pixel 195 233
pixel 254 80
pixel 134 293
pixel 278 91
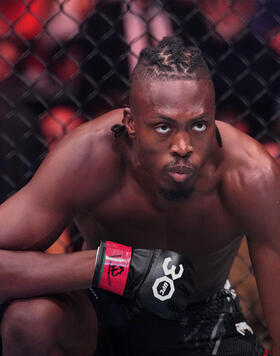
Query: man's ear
pixel 129 122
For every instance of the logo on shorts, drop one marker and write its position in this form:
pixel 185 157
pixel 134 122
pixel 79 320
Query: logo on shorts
pixel 164 288
pixel 242 327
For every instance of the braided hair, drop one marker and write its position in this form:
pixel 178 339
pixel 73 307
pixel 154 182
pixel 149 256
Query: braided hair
pixel 171 60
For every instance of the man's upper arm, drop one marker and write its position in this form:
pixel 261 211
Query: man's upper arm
pixel 255 204
pixel 35 216
pixel 263 235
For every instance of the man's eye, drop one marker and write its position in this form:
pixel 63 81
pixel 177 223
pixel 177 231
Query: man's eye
pixel 200 126
pixel 163 129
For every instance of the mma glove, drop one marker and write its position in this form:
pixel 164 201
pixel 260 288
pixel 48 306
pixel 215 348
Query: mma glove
pixel 160 281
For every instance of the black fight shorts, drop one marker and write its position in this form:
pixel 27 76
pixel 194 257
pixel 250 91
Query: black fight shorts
pixel 214 326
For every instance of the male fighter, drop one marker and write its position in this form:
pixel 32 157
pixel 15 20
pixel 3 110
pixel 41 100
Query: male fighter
pixel 166 192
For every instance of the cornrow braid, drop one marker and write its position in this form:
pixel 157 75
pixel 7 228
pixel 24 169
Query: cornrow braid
pixel 170 59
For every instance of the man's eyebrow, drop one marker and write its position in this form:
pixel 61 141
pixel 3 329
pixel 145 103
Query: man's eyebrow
pixel 202 116
pixel 160 116
pixel 166 118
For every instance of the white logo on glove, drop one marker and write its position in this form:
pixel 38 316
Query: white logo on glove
pixel 242 327
pixel 163 288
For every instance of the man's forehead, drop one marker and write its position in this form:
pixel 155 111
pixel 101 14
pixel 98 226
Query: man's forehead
pixel 177 86
pixel 186 97
pixel 177 93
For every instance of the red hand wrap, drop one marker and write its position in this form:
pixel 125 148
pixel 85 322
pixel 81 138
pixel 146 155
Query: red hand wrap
pixel 116 267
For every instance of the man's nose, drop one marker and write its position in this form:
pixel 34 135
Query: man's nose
pixel 181 145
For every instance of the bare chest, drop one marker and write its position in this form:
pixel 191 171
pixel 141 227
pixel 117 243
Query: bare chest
pixel 194 227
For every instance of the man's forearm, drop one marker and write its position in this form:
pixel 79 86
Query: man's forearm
pixel 25 274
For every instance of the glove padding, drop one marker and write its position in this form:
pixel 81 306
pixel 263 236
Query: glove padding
pixel 160 281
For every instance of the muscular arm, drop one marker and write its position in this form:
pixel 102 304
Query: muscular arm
pixel 27 274
pixel 35 216
pixel 263 235
pixel 254 196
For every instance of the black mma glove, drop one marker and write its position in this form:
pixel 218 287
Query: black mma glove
pixel 158 280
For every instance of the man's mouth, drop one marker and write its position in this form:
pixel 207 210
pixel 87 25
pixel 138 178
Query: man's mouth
pixel 180 173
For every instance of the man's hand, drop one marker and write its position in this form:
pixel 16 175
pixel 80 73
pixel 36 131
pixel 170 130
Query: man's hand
pixel 157 280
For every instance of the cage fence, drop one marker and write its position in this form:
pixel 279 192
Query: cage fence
pixel 64 62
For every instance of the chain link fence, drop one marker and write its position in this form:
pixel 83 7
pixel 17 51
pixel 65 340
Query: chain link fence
pixel 63 62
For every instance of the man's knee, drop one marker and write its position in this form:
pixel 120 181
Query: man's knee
pixel 31 321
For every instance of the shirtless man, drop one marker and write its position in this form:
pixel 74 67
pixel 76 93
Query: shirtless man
pixel 164 175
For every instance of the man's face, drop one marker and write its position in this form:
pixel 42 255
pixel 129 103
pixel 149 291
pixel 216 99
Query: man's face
pixel 172 123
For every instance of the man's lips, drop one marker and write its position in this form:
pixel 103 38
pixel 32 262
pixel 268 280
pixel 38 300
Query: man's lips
pixel 181 169
pixel 180 173
pixel 178 177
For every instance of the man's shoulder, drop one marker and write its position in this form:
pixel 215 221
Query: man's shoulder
pixel 243 154
pixel 93 139
pixel 250 189
pixel 98 130
pixel 88 160
pixel 246 165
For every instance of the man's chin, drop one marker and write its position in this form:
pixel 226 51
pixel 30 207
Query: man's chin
pixel 177 194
